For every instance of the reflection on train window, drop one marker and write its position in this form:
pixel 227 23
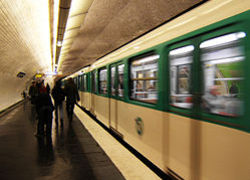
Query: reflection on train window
pixel 144 79
pixel 113 72
pixel 222 60
pixel 81 82
pixel 75 81
pixel 93 81
pixel 85 82
pixel 181 60
pixel 103 81
pixel 120 80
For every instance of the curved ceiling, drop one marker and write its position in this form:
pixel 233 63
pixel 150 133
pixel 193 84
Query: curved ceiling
pixel 25 45
pixel 94 28
pixel 109 24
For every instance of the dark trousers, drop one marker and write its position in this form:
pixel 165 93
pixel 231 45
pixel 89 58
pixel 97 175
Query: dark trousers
pixel 58 107
pixel 70 109
pixel 44 118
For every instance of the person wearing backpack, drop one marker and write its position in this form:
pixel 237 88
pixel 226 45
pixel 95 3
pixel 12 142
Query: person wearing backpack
pixel 58 96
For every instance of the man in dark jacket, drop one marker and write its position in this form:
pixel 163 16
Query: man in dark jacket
pixel 45 109
pixel 72 96
pixel 58 96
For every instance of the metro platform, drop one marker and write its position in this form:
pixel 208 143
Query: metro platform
pixel 77 150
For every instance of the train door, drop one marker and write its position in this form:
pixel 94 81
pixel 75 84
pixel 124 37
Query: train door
pixel 93 91
pixel 181 102
pixel 206 82
pixel 117 71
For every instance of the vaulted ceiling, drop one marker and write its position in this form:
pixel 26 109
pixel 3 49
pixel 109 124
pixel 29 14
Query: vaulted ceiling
pixel 109 24
pixel 87 29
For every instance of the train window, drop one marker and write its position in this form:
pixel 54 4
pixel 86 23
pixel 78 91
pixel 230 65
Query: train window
pixel 93 82
pixel 103 81
pixel 120 80
pixel 181 60
pixel 222 62
pixel 144 79
pixel 85 82
pixel 75 82
pixel 81 83
pixel 113 89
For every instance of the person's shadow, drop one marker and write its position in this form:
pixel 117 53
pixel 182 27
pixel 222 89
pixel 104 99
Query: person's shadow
pixel 45 151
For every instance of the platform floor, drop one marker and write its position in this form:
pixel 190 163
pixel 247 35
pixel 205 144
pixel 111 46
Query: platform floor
pixel 70 154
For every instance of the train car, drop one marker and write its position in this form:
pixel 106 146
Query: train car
pixel 179 95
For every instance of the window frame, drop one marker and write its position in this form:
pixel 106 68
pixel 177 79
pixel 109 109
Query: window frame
pixel 176 109
pixel 98 81
pixel 117 74
pixel 115 65
pixel 81 82
pixel 218 29
pixel 85 82
pixel 130 60
pixel 94 82
pixel 217 118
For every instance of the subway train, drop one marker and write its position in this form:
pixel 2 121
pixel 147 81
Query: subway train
pixel 180 94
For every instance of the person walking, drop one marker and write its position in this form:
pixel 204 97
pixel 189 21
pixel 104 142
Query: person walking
pixel 33 91
pixel 58 96
pixel 45 109
pixel 48 88
pixel 23 94
pixel 72 96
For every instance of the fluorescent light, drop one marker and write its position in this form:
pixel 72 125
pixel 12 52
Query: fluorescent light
pixel 59 43
pixel 241 35
pixel 226 60
pixel 181 61
pixel 223 39
pixel 182 50
pixel 148 59
pixel 55 23
pixel 51 73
